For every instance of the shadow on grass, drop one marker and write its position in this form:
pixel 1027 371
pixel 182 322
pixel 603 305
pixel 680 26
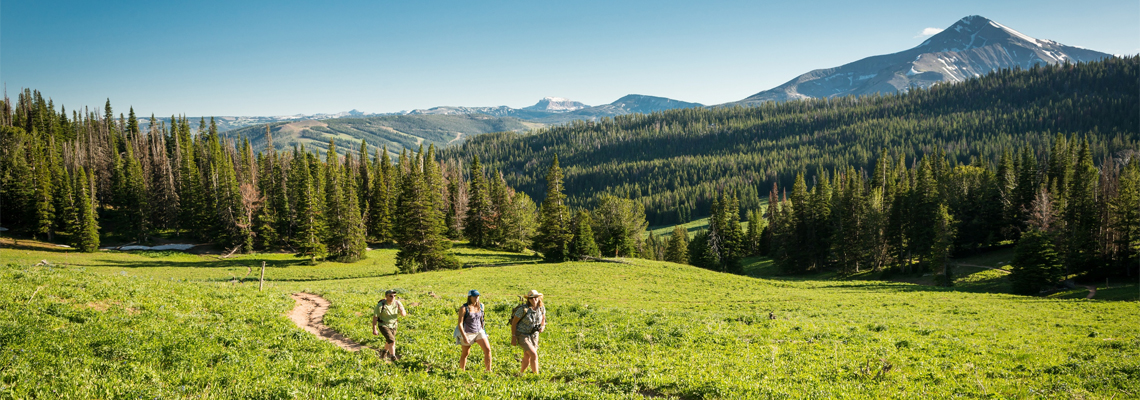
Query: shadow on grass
pixel 204 263
pixel 6 244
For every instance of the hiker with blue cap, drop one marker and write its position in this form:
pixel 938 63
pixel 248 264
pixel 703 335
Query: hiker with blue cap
pixel 470 330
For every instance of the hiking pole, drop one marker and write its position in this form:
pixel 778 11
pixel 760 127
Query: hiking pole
pixel 261 282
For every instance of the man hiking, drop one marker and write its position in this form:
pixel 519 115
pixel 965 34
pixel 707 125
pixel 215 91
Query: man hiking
pixel 384 314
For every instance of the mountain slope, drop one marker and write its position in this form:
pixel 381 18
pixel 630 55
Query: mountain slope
pixel 971 47
pixel 394 131
pixel 675 161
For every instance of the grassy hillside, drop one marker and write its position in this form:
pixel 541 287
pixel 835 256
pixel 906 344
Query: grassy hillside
pixel 166 325
pixel 394 131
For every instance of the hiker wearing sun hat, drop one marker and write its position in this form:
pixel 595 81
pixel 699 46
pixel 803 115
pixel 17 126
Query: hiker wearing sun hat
pixel 526 323
pixel 384 314
pixel 470 330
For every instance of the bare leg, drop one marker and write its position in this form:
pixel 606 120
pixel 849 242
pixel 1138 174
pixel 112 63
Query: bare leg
pixel 530 359
pixel 534 361
pixel 486 345
pixel 391 349
pixel 525 361
pixel 463 357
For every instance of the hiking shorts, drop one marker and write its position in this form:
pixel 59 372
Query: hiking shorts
pixel 471 337
pixel 389 334
pixel 528 342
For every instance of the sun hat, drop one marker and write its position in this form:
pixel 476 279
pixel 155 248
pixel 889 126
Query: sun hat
pixel 472 292
pixel 533 293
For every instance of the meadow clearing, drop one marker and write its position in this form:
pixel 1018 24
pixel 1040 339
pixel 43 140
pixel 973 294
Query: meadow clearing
pixel 173 325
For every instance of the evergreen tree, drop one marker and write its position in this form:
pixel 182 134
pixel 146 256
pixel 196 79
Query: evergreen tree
pixel 677 248
pixel 67 220
pixel 419 224
pixel 451 219
pixel 700 254
pixel 500 204
pixel 379 208
pixel 86 236
pixel 190 190
pixel 583 244
pixel 1036 264
pixel 756 226
pixel 267 221
pixel 309 224
pixel 1026 189
pixel 850 227
pixel 44 202
pixel 1125 216
pixel 1081 216
pixel 480 212
pixel 554 235
pixel 134 197
pixel 345 234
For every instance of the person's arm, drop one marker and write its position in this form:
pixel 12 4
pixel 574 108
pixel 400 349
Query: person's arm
pixel 514 330
pixel 374 331
pixel 400 304
pixel 459 326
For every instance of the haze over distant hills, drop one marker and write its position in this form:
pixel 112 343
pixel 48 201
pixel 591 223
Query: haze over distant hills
pixel 971 47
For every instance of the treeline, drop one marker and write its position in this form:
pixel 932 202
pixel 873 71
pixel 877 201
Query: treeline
pixel 676 162
pixel 69 177
pixel 1067 216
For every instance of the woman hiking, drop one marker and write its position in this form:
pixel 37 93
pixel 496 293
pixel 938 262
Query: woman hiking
pixel 526 323
pixel 470 330
pixel 385 313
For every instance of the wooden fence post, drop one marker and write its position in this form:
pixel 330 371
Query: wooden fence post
pixel 261 283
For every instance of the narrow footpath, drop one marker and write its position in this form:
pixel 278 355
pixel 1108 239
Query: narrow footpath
pixel 309 314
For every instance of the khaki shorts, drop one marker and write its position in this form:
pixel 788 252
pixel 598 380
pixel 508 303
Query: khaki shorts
pixel 528 342
pixel 389 334
pixel 471 337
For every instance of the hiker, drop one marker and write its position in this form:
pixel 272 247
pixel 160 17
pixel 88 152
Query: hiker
pixel 385 313
pixel 470 330
pixel 527 321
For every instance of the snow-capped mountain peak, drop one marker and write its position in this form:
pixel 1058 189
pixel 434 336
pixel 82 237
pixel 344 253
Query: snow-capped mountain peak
pixel 971 47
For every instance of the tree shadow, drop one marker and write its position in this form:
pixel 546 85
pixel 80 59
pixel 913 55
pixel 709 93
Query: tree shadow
pixel 203 263
pixel 7 243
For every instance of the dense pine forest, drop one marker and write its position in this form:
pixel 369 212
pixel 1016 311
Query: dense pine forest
pixel 675 162
pixel 1044 157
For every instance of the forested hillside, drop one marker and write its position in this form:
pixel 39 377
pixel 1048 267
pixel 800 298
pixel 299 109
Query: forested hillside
pixel 674 162
pixel 393 131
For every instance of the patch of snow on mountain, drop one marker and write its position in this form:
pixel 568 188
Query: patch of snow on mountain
pixel 1020 35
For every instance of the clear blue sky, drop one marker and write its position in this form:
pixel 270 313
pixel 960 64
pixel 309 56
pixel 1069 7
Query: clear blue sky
pixel 282 57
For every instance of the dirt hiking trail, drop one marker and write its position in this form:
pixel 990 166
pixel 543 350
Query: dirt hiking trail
pixel 309 314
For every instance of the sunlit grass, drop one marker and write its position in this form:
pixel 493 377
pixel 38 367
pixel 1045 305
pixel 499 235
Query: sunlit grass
pixel 620 330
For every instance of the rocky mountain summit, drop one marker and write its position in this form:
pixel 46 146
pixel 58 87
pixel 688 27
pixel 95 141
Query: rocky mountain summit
pixel 971 47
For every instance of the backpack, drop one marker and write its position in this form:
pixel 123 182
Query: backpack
pixel 514 311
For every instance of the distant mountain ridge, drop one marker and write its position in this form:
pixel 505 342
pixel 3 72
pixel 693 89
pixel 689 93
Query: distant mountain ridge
pixel 556 105
pixel 554 110
pixel 969 48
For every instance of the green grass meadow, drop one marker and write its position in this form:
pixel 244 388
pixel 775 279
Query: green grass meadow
pixel 171 325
